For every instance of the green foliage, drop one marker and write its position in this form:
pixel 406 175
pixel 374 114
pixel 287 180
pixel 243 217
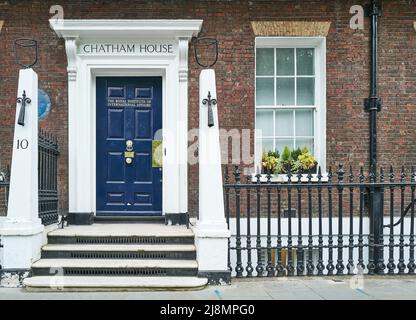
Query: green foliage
pixel 296 153
pixel 307 160
pixel 269 161
pixel 299 160
pixel 279 167
pixel 273 154
pixel 297 166
pixel 286 154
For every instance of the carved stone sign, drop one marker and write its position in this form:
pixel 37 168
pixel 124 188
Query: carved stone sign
pixel 124 48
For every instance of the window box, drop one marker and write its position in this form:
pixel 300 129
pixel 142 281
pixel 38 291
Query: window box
pixel 282 178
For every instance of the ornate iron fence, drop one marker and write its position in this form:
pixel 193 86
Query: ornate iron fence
pixel 48 178
pixel 323 224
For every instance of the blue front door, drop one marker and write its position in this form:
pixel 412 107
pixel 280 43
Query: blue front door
pixel 129 119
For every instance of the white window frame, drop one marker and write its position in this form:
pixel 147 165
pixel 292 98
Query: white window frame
pixel 319 44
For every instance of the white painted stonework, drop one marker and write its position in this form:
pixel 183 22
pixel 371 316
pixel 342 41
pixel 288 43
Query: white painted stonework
pixel 115 283
pixel 124 54
pixel 22 229
pixel 123 230
pixel 211 230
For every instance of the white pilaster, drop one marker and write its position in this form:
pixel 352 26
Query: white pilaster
pixel 72 69
pixel 22 229
pixel 211 230
pixel 183 125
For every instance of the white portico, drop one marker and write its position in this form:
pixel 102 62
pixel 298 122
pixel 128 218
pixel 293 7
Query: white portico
pixel 123 48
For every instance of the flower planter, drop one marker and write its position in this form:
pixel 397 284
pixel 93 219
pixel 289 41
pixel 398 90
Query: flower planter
pixel 313 170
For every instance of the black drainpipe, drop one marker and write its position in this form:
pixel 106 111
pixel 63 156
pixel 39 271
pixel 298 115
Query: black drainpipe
pixel 373 103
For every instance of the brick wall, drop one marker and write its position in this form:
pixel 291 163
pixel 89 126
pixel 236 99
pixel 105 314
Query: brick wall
pixel 229 22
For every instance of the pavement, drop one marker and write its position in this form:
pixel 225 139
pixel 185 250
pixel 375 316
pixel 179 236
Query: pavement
pixel 316 288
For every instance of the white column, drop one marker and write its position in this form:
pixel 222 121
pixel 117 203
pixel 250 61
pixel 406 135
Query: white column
pixel 211 229
pixel 22 229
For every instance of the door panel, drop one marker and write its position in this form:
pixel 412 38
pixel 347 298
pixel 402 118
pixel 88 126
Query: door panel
pixel 115 164
pixel 115 124
pixel 128 109
pixel 143 124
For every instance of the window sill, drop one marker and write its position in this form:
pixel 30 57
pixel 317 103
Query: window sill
pixel 282 178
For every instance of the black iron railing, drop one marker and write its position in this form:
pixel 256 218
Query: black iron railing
pixel 4 190
pixel 323 224
pixel 48 178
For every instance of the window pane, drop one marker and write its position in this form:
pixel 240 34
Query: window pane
pixel 282 143
pixel 308 143
pixel 285 65
pixel 305 62
pixel 285 91
pixel 264 91
pixel 304 123
pixel 284 123
pixel 264 122
pixel 266 145
pixel 258 154
pixel 265 62
pixel 305 91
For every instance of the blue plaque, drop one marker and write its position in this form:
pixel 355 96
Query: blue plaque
pixel 44 104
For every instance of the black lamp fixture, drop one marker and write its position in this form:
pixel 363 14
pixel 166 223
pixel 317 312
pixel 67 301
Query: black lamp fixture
pixel 204 46
pixel 21 45
pixel 207 48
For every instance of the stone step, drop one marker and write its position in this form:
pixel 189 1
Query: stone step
pixel 83 283
pixel 114 251
pixel 102 233
pixel 115 267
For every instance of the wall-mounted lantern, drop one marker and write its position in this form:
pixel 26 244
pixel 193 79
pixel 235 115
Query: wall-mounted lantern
pixel 206 51
pixel 206 55
pixel 22 48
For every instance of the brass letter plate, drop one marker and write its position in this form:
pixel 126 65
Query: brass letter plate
pixel 128 154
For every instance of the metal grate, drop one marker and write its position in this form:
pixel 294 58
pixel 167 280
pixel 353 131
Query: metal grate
pixel 120 240
pixel 123 255
pixel 115 272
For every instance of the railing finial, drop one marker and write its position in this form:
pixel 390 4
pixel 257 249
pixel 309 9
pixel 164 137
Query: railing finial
pixel 350 175
pixel 319 174
pixel 237 174
pixel 361 176
pixel 402 175
pixel 340 173
pixel 391 174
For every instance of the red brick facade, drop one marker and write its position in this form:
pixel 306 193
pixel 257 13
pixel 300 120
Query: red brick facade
pixel 229 22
